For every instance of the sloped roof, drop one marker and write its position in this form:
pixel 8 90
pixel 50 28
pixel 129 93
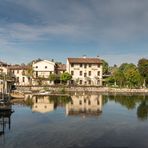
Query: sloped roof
pixel 18 67
pixel 85 60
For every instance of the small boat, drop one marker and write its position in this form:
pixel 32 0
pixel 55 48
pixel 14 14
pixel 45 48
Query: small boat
pixel 18 95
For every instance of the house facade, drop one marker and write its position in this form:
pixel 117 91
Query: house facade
pixel 85 71
pixel 43 69
pixel 20 74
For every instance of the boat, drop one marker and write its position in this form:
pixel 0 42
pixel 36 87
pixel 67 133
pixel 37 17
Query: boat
pixel 18 95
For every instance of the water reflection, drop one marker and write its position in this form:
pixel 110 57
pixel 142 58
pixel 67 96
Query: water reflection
pixel 88 104
pixel 139 102
pixel 84 105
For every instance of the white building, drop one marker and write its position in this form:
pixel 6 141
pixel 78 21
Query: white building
pixel 43 68
pixel 84 105
pixel 85 71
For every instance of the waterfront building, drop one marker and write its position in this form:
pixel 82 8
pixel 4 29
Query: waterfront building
pixel 20 74
pixel 43 68
pixel 84 105
pixel 60 68
pixel 85 71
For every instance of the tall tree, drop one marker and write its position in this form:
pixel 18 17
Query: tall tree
pixel 64 77
pixel 143 69
pixel 105 67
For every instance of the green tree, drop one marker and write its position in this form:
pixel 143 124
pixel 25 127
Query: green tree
pixel 119 77
pixel 64 77
pixel 105 67
pixel 143 69
pixel 132 76
pixel 54 77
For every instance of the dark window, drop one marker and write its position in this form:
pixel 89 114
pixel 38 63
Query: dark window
pixel 17 71
pixel 80 65
pixel 17 79
pixel 98 65
pixel 84 100
pixel 89 73
pixel 98 73
pixel 89 102
pixel 85 66
pixel 80 73
pixel 80 102
pixel 98 102
pixel 85 74
pixel 89 65
pixel 45 67
pixel 72 72
pixel 72 65
pixel 80 81
pixel 36 66
pixel 89 81
pixel 23 79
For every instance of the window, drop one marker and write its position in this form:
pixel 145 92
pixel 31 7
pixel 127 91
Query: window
pixel 45 67
pixel 80 65
pixel 72 73
pixel 98 102
pixel 80 102
pixel 89 81
pixel 85 74
pixel 72 65
pixel 84 100
pixel 89 65
pixel 98 65
pixel 23 79
pixel 89 102
pixel 17 79
pixel 17 71
pixel 80 73
pixel 80 81
pixel 36 66
pixel 89 73
pixel 98 73
pixel 85 66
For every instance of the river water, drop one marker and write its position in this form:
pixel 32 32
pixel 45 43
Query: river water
pixel 79 120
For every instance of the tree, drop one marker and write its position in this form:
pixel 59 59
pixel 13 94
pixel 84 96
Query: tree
pixel 143 69
pixel 54 77
pixel 119 77
pixel 105 67
pixel 132 76
pixel 64 77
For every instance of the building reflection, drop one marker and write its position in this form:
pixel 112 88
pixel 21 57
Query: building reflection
pixel 42 104
pixel 84 105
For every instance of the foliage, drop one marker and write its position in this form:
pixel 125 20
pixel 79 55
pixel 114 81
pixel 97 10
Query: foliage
pixel 64 77
pixel 143 69
pixel 54 77
pixel 105 67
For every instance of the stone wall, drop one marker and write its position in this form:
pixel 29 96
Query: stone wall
pixel 80 89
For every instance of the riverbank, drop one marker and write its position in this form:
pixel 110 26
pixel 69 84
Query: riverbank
pixel 63 89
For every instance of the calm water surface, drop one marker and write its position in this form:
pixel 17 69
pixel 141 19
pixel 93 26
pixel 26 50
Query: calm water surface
pixel 96 121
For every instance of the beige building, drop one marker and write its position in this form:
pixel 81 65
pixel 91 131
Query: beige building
pixel 20 74
pixel 85 105
pixel 42 104
pixel 85 71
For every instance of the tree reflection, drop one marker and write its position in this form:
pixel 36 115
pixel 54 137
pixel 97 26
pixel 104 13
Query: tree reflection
pixel 142 110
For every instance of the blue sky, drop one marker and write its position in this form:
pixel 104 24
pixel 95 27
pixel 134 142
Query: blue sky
pixel 116 30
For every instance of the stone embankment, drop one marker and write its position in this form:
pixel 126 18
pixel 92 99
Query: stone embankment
pixel 81 89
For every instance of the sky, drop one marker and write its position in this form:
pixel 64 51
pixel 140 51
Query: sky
pixel 114 30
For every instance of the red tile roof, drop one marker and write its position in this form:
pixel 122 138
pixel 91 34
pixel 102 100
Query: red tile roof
pixel 85 60
pixel 18 67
